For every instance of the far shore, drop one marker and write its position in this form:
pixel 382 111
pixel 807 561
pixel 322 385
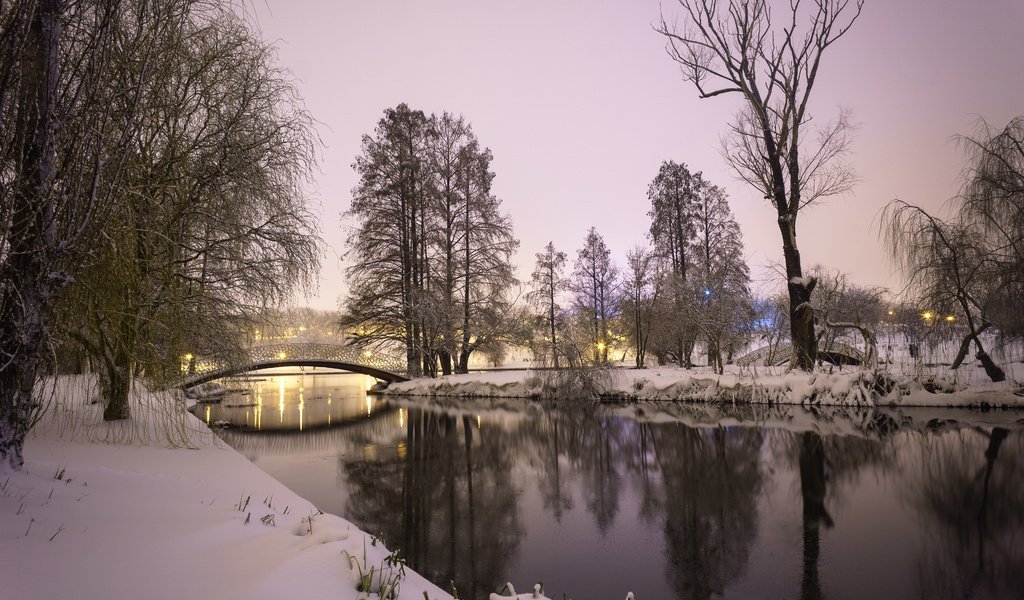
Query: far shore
pixel 835 387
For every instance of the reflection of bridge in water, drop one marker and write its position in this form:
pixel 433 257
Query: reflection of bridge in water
pixel 329 356
pixel 349 434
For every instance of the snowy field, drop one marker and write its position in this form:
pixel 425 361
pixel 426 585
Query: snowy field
pixel 159 508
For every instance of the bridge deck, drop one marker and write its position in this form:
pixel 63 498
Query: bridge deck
pixel 330 356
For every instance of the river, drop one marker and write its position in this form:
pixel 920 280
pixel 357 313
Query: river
pixel 595 502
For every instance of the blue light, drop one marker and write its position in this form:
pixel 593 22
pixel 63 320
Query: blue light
pixel 707 292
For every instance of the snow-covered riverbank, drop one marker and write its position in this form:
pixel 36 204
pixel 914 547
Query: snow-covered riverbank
pixel 764 386
pixel 159 508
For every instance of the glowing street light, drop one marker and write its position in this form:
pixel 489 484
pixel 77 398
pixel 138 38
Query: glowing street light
pixel 950 319
pixel 282 355
pixel 927 315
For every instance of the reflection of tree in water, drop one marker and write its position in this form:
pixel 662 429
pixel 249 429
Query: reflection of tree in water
pixel 813 487
pixel 552 478
pixel 969 490
pixel 592 448
pixel 711 480
pixel 703 482
pixel 445 497
pixel 586 450
pixel 828 466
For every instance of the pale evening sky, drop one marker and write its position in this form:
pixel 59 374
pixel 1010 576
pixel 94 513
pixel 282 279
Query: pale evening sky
pixel 580 105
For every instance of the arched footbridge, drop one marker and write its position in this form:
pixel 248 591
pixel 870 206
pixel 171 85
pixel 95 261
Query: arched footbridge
pixel 329 356
pixel 838 354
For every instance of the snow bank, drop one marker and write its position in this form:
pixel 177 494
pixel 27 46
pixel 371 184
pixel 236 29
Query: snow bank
pixel 768 386
pixel 159 508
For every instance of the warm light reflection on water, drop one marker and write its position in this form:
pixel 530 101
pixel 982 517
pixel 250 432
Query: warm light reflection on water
pixel 304 401
pixel 280 402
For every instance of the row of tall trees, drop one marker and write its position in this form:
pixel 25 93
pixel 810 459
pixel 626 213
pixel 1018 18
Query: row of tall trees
pixel 152 170
pixel 430 251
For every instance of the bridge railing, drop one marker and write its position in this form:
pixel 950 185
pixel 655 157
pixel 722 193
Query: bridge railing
pixel 267 354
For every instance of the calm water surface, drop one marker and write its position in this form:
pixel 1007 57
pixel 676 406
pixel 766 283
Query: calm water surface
pixel 594 503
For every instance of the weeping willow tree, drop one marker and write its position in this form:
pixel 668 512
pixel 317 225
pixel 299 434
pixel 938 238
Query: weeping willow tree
pixel 992 203
pixel 210 223
pixel 973 263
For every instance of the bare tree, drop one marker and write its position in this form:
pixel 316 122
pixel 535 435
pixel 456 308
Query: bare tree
pixel 841 306
pixel 641 287
pixel 387 248
pixel 722 302
pixel 431 253
pixel 548 284
pixel 673 195
pixel 740 47
pixel 486 274
pixel 593 284
pixel 992 203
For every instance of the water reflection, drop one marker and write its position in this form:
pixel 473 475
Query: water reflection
pixel 445 497
pixel 711 480
pixel 595 503
pixel 290 401
pixel 968 491
pixel 812 489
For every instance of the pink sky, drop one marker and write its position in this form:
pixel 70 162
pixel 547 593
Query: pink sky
pixel 580 105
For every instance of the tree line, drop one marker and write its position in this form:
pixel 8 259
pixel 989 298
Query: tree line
pixel 692 281
pixel 430 269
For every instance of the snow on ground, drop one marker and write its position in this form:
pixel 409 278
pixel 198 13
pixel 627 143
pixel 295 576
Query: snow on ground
pixel 159 508
pixel 737 385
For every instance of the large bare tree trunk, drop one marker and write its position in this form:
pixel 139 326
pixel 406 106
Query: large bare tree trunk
pixel 801 314
pixel 30 282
